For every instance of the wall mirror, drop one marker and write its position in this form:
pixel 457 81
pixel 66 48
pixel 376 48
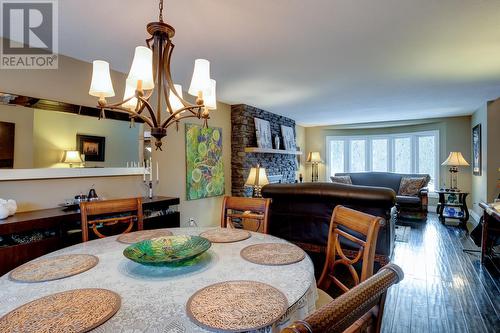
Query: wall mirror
pixel 43 134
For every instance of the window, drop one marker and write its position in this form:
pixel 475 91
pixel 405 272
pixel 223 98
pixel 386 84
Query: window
pixel 401 153
pixel 380 154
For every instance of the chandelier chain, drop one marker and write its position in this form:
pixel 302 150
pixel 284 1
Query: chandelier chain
pixel 160 6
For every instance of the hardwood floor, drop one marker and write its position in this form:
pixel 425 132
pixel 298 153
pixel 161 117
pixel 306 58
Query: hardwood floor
pixel 444 289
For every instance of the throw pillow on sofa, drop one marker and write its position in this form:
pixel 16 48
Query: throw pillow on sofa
pixel 410 186
pixel 342 179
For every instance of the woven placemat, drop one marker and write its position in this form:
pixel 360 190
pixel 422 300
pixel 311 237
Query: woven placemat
pixel 54 268
pixel 139 236
pixel 225 235
pixel 273 254
pixel 236 306
pixel 78 310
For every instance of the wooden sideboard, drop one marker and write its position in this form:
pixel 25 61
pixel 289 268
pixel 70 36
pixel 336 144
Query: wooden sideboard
pixel 58 226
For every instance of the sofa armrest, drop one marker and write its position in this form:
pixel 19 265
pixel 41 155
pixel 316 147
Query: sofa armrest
pixel 424 191
pixel 423 194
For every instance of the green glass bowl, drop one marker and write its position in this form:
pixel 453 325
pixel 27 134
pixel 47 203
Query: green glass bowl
pixel 167 250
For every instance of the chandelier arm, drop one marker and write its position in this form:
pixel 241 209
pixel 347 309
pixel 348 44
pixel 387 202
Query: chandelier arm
pixel 132 113
pixel 190 109
pixel 180 118
pixel 150 109
pixel 171 82
pixel 158 55
pixel 164 75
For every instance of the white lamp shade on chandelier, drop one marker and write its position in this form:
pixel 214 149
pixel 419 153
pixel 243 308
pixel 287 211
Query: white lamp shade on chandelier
pixel 130 92
pixel 142 68
pixel 200 81
pixel 175 102
pixel 210 97
pixel 455 159
pixel 101 85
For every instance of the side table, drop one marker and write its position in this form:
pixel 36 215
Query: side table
pixel 460 204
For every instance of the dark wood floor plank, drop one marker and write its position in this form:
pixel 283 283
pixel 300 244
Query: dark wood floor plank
pixel 445 289
pixel 472 282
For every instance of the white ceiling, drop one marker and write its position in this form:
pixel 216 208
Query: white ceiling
pixel 316 61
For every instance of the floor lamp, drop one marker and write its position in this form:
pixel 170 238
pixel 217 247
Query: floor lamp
pixel 315 159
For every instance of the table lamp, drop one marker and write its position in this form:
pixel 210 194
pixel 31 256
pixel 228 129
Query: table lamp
pixel 72 156
pixel 256 179
pixel 454 160
pixel 314 158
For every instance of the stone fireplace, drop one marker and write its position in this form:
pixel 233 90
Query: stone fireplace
pixel 278 166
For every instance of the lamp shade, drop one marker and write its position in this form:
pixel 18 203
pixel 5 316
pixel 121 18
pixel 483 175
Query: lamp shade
pixel 257 177
pixel 101 85
pixel 210 96
pixel 129 92
pixel 455 159
pixel 201 77
pixel 142 68
pixel 314 157
pixel 175 102
pixel 72 156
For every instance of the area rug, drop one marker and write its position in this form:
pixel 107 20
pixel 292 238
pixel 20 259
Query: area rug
pixel 402 233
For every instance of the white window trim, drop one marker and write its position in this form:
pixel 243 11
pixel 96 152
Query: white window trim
pixel 390 137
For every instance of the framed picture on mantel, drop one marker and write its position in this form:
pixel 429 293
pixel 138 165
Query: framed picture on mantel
pixel 263 133
pixel 288 138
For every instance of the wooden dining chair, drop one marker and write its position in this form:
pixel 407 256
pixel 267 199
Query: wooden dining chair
pixel 108 213
pixel 245 209
pixel 353 226
pixel 358 310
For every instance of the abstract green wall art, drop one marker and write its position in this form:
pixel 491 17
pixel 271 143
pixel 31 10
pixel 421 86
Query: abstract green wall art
pixel 204 166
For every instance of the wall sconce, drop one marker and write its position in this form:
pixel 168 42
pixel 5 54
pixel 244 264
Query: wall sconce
pixel 314 158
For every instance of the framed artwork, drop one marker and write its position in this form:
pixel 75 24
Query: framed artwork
pixel 93 147
pixel 263 133
pixel 7 136
pixel 476 150
pixel 204 165
pixel 288 138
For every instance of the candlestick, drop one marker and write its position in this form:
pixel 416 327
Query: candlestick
pixel 157 172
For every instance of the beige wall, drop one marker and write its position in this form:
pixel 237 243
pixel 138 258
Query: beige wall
pixel 454 134
pixel 485 187
pixel 300 133
pixel 70 83
pixel 493 149
pixel 172 163
pixel 23 136
pixel 479 183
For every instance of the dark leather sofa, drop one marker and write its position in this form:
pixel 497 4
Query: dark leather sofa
pixel 408 207
pixel 301 213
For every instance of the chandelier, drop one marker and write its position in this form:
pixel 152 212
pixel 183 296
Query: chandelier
pixel 151 69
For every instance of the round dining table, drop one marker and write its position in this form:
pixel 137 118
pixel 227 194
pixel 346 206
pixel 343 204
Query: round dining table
pixel 153 299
